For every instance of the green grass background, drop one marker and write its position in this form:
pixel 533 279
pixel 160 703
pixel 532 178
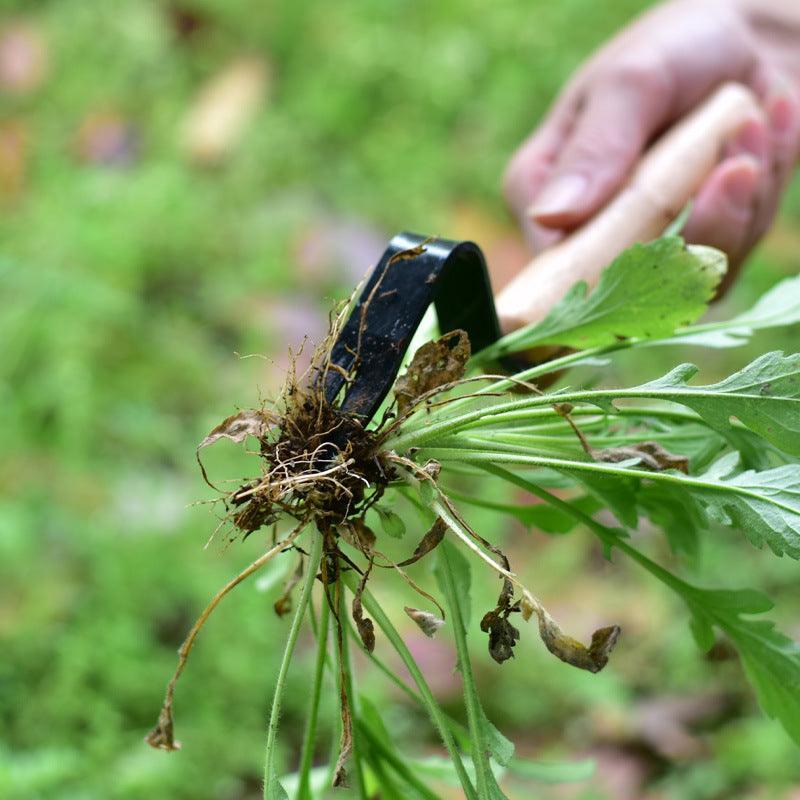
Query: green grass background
pixel 125 293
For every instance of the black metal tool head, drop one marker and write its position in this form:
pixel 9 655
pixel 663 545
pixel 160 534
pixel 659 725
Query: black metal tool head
pixel 413 272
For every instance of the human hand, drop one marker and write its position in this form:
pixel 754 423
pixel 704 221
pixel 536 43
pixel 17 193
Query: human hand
pixel 639 84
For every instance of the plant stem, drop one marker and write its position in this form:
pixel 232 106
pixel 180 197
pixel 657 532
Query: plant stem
pixel 475 716
pixel 272 788
pixel 436 714
pixel 461 733
pixel 607 535
pixel 483 458
pixel 397 764
pixel 309 736
pixel 530 415
pixel 427 428
pixel 555 364
pixel 346 673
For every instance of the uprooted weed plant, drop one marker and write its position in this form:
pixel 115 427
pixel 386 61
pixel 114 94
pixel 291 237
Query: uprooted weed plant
pixel 690 458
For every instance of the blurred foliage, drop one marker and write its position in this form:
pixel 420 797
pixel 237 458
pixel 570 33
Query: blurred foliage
pixel 130 276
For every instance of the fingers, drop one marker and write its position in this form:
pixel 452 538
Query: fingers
pixel 622 112
pixel 783 116
pixel 737 204
pixel 531 166
pixel 724 208
pixel 651 74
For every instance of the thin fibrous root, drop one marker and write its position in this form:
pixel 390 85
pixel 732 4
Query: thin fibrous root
pixel 161 737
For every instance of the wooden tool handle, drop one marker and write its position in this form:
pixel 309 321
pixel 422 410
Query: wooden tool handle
pixel 667 177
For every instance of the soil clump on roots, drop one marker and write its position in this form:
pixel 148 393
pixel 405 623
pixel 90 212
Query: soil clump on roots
pixel 322 467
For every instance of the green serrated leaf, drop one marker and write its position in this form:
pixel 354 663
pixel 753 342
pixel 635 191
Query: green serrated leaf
pixel 778 308
pixel 617 494
pixel 764 396
pixel 539 515
pixel 501 748
pixel 764 505
pixel 648 292
pixel 771 660
pixel 391 523
pixel 665 506
pixel 772 663
pixel 461 572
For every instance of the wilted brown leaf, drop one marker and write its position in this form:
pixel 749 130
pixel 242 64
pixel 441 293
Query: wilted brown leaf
pixel 651 455
pixel 366 629
pixel 161 737
pixel 283 605
pixel 569 650
pixel 428 623
pixel 237 427
pixel 223 109
pixel 502 635
pixel 358 534
pixel 429 541
pixel 346 738
pixel 433 365
pixel 345 742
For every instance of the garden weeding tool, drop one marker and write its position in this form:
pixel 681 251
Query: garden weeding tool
pixel 416 271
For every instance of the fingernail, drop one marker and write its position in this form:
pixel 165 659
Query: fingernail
pixel 740 185
pixel 560 196
pixel 752 139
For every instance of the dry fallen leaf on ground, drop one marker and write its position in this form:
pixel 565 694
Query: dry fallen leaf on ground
pixel 223 109
pixel 23 58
